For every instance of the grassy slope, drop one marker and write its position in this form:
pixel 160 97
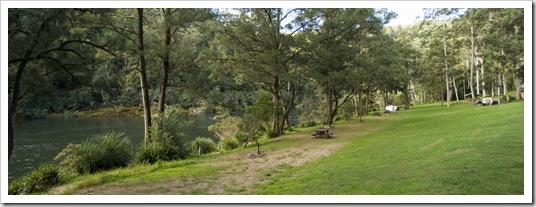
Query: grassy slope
pixel 426 150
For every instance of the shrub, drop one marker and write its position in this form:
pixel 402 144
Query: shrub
pixel 160 151
pixel 203 145
pixel 39 180
pixel 308 124
pixel 226 128
pixel 167 140
pixel 229 143
pixel 271 134
pixel 99 152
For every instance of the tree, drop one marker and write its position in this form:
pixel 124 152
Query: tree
pixel 42 36
pixel 256 47
pixel 331 49
pixel 256 120
pixel 143 78
pixel 444 14
pixel 176 20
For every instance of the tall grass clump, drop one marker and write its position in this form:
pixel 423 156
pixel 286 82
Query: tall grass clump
pixel 99 152
pixel 38 180
pixel 167 139
pixel 203 145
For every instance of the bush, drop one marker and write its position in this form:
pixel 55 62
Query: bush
pixel 229 143
pixel 160 151
pixel 98 153
pixel 203 145
pixel 308 124
pixel 226 128
pixel 39 180
pixel 167 140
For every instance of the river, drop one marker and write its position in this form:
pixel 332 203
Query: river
pixel 38 141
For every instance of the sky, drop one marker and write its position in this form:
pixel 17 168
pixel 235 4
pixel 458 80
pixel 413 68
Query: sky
pixel 406 16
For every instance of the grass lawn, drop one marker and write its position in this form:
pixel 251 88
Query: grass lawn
pixel 427 150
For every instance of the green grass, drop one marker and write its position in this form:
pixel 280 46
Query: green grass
pixel 426 150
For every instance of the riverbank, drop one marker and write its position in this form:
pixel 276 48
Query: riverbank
pixel 102 112
pixel 425 150
pixel 116 111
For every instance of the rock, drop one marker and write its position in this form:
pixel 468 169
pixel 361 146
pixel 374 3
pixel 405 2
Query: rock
pixel 255 155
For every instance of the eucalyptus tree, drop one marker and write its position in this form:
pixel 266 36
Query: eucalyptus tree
pixel 332 47
pixel 58 39
pixel 496 37
pixel 505 38
pixel 444 14
pixel 259 47
pixel 173 21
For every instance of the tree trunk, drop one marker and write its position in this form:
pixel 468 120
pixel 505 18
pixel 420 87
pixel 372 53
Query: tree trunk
pixel 446 63
pixel 482 77
pixel 14 103
pixel 328 107
pixel 455 90
pixel 287 109
pixel 517 82
pixel 406 97
pixel 16 88
pixel 355 112
pixel 472 64
pixel 477 80
pixel 413 94
pixel 276 99
pixel 505 84
pixel 143 78
pixel 493 88
pixel 366 104
pixel 498 84
pixel 165 67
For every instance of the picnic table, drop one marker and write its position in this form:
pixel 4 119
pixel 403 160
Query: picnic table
pixel 324 133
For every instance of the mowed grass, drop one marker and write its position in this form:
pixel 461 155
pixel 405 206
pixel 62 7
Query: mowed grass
pixel 427 150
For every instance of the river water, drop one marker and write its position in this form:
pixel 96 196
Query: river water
pixel 37 142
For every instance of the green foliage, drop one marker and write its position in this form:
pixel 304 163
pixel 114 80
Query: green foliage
pixel 99 152
pixel 229 143
pixel 38 180
pixel 311 118
pixel 256 121
pixel 167 139
pixel 226 128
pixel 162 150
pixel 203 145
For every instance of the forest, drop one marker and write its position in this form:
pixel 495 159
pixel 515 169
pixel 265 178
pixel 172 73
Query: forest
pixel 261 62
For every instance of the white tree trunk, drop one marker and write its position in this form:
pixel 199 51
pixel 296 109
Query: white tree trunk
pixel 413 95
pixel 498 84
pixel 446 63
pixel 472 64
pixel 477 81
pixel 482 77
pixel 492 88
pixel 455 90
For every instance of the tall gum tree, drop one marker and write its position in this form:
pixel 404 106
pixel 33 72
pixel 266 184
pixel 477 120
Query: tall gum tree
pixel 257 46
pixel 332 48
